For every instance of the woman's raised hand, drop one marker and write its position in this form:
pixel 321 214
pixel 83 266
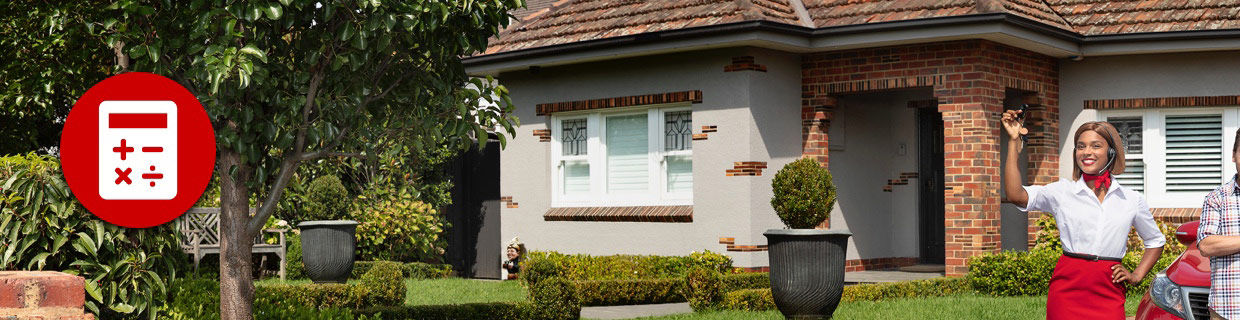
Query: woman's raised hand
pixel 1012 125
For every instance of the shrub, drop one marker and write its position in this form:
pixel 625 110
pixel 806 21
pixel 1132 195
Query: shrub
pixel 385 283
pixel 628 292
pixel 395 226
pixel 420 270
pixel 381 286
pixel 620 267
pixel 937 287
pixel 198 298
pixel 703 289
pixel 741 281
pixel 467 311
pixel 326 199
pixel 1013 273
pixel 554 298
pixel 748 300
pixel 536 270
pixel 1048 241
pixel 43 227
pixel 760 299
pixel 804 194
pixel 294 269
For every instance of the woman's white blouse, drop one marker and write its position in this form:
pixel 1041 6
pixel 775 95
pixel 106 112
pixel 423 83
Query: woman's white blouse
pixel 1089 227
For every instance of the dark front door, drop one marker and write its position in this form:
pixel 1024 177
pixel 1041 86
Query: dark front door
pixel 930 175
pixel 474 245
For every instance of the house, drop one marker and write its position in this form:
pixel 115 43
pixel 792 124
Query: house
pixel 655 127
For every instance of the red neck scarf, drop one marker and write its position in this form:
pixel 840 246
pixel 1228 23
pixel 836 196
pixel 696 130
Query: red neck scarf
pixel 1096 181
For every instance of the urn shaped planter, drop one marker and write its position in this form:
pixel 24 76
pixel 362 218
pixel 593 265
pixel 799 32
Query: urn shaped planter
pixel 327 248
pixel 807 271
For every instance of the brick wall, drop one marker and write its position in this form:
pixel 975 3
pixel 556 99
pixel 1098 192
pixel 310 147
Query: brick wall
pixel 970 80
pixel 42 295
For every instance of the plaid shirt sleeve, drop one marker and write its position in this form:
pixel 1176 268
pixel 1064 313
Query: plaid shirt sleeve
pixel 1211 216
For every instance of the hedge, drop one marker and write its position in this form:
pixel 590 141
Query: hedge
pixel 1013 273
pixel 739 281
pixel 748 300
pixel 627 292
pixel 378 287
pixel 622 267
pixel 759 297
pixel 409 270
pixel 199 298
pixel 468 311
pixel 552 299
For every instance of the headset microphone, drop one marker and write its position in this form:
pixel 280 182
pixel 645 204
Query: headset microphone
pixel 1110 158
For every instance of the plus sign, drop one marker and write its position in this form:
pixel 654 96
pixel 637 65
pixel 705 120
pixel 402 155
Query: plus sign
pixel 122 149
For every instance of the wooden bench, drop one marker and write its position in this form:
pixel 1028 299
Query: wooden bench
pixel 200 230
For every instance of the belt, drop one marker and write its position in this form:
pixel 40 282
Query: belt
pixel 1090 257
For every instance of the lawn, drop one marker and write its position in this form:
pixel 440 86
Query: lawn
pixel 457 291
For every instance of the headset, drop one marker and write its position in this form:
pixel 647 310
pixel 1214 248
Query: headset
pixel 1110 159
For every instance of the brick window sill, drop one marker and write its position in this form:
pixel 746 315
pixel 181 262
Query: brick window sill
pixel 621 214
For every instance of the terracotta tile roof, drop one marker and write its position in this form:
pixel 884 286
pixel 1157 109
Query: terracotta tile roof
pixel 1094 17
pixel 569 21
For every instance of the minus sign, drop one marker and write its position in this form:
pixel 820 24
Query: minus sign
pixel 152 149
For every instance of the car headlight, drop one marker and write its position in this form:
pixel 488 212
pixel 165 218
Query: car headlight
pixel 1167 295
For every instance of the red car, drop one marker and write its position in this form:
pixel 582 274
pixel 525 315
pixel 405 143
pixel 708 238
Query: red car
pixel 1181 291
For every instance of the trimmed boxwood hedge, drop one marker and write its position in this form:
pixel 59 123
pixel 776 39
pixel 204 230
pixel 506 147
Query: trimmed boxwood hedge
pixel 382 285
pixel 468 311
pixel 619 267
pixel 709 290
pixel 626 292
pixel 1013 273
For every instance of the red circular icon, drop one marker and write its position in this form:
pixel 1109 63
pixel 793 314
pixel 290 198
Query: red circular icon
pixel 137 150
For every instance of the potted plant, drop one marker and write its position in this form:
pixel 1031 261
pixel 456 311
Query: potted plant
pixel 807 265
pixel 327 244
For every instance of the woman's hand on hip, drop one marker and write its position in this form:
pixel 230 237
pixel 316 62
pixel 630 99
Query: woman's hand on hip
pixel 1121 274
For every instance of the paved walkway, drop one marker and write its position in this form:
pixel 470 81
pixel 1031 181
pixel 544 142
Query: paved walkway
pixel 887 276
pixel 635 311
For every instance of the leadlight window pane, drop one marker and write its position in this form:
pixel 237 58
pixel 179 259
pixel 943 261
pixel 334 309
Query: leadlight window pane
pixel 678 130
pixel 573 138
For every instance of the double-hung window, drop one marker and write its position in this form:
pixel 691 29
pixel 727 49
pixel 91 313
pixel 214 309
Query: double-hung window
pixel 628 157
pixel 1176 156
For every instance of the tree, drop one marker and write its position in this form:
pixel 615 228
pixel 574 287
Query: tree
pixel 297 80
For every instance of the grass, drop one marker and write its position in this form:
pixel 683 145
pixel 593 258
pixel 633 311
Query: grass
pixel 457 291
pixel 967 306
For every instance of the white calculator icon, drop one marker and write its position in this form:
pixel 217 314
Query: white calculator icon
pixel 137 150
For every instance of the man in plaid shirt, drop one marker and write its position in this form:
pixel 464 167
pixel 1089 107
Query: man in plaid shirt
pixel 1218 237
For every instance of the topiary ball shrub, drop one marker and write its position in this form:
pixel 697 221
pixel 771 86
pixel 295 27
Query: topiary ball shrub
pixel 554 298
pixel 804 194
pixel 385 283
pixel 703 288
pixel 536 270
pixel 326 199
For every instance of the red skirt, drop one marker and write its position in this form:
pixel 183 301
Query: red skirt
pixel 1082 289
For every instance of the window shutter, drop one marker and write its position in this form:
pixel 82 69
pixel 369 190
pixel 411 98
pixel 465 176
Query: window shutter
pixel 1194 143
pixel 627 154
pixel 1130 130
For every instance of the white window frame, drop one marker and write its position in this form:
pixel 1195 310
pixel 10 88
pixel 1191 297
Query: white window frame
pixel 1154 151
pixel 596 155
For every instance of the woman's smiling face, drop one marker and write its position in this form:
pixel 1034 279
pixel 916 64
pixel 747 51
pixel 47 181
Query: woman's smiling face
pixel 1091 152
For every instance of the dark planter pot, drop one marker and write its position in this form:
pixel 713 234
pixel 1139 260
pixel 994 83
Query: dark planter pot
pixel 807 271
pixel 327 248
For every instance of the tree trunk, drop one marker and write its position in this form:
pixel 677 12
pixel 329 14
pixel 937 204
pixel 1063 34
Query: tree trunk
pixel 236 282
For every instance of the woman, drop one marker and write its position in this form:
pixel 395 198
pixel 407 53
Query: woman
pixel 1094 214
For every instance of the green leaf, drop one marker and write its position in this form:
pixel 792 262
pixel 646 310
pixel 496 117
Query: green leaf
pixel 122 308
pixel 274 11
pixel 93 290
pixel 253 51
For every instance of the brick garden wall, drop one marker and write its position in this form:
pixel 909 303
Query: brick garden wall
pixel 970 80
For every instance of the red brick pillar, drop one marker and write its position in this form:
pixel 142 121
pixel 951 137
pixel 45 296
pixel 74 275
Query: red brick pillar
pixel 816 115
pixel 972 180
pixel 1042 147
pixel 42 295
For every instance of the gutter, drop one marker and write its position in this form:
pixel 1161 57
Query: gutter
pixel 987 19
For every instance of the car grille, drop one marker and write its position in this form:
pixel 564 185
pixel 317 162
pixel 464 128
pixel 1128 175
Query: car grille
pixel 1198 302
